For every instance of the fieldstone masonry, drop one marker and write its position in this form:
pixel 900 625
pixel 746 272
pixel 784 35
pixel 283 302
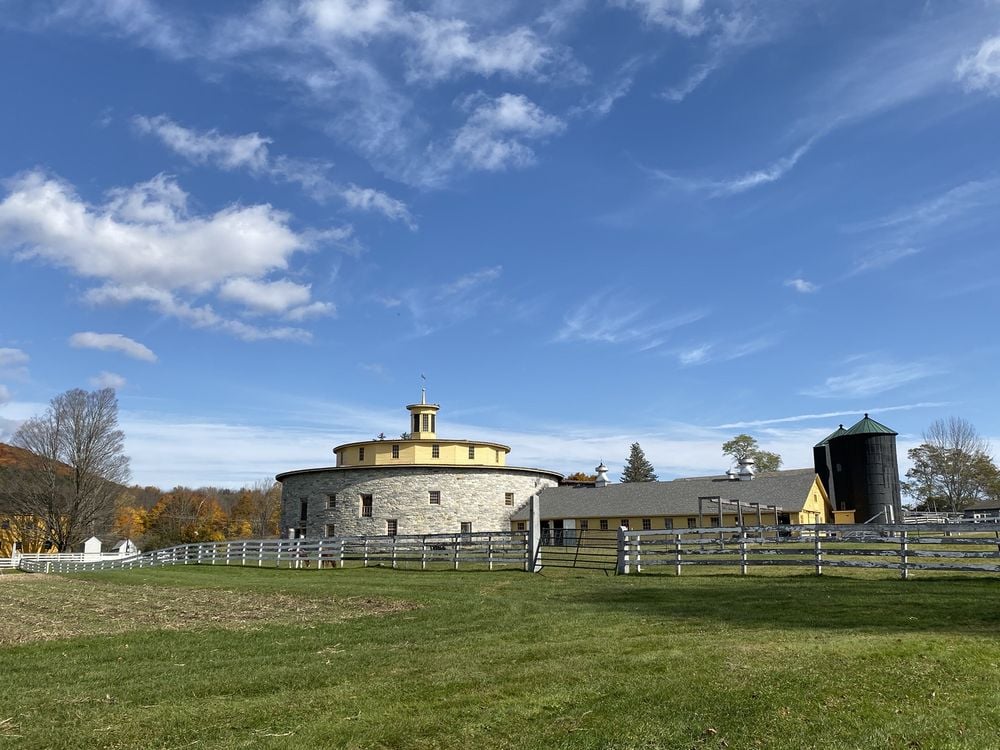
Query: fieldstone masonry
pixel 468 494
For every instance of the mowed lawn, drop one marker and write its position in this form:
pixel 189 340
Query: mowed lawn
pixel 209 657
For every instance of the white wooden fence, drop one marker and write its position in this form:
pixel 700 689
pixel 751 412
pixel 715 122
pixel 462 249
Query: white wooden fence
pixel 489 550
pixel 903 547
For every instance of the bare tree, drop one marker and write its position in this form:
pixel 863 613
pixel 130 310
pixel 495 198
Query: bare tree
pixel 952 468
pixel 77 467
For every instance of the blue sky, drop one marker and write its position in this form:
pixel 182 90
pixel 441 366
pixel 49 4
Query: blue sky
pixel 587 222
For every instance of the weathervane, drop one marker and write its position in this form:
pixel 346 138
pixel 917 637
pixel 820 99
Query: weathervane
pixel 423 388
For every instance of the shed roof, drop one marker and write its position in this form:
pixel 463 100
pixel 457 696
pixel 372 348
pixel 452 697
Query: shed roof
pixel 788 490
pixel 868 426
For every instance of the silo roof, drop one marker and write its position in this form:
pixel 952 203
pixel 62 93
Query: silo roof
pixel 869 426
pixel 837 433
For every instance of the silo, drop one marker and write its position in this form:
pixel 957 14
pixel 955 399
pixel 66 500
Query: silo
pixel 821 462
pixel 865 472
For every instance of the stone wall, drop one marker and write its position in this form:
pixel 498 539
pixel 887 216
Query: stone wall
pixel 474 495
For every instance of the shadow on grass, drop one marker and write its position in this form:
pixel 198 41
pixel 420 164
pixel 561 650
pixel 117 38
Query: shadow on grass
pixel 946 605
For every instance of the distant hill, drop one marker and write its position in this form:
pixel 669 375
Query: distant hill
pixel 12 456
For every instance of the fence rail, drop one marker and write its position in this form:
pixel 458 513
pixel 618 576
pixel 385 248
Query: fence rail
pixel 491 550
pixel 903 547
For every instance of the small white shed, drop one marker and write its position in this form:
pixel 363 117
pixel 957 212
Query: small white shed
pixel 92 549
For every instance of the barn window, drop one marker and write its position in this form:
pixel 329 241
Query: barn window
pixel 366 506
pixel 435 451
pixel 647 524
pixel 435 497
pixel 395 451
pixel 604 524
pixel 391 525
pixel 508 498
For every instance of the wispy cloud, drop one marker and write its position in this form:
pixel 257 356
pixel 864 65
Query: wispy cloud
pixel 802 285
pixel 606 318
pixel 447 304
pixel 908 230
pixel 251 152
pixel 872 378
pixel 704 353
pixel 830 415
pixel 105 379
pixel 113 342
pixel 11 359
pixel 981 71
pixel 726 186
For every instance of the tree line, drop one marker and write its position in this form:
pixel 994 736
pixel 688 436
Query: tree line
pixel 72 484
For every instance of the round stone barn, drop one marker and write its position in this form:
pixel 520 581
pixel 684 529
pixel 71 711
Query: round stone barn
pixel 416 484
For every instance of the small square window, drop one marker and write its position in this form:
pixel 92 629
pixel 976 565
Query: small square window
pixel 366 506
pixel 715 522
pixel 472 451
pixel 466 527
pixel 692 523
pixel 435 497
pixel 395 451
pixel 584 525
pixel 604 524
pixel 330 530
pixel 361 453
pixel 508 498
pixel 668 523
pixel 331 501
pixel 624 523
pixel 391 526
pixel 647 524
pixel 435 451
pixel 521 525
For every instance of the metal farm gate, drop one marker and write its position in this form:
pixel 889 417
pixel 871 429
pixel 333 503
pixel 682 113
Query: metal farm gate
pixel 587 549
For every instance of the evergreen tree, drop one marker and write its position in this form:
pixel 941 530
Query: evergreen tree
pixel 637 467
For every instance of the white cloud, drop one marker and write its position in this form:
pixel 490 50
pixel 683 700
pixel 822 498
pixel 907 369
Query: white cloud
pixel 445 47
pixel 145 245
pixel 873 378
pixel 981 71
pixel 724 352
pixel 694 356
pixel 802 285
pixel 12 358
pixel 266 296
pixel 114 342
pixel 682 16
pixel 247 151
pixel 105 379
pixel 250 152
pixel 493 138
pixel 4 395
pixel 369 199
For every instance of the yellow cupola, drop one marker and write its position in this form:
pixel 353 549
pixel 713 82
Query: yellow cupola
pixel 423 418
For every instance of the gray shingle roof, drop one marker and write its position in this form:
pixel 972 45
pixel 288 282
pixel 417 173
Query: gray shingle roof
pixel 786 489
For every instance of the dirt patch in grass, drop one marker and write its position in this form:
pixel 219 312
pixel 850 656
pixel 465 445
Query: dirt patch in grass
pixel 41 608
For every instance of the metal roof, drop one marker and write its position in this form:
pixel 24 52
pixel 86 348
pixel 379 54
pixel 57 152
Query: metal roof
pixel 835 434
pixel 786 489
pixel 868 426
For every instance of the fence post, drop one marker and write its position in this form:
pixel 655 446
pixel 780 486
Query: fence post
pixel 534 562
pixel 677 553
pixel 819 554
pixel 423 553
pixel 904 558
pixel 744 564
pixel 341 558
pixel 623 561
pixel 394 552
pixel 365 554
pixel 638 552
pixel 454 555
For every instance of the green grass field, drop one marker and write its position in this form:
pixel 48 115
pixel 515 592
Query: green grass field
pixel 202 657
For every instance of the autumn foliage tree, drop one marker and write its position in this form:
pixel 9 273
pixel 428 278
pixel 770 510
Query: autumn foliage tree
pixel 183 516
